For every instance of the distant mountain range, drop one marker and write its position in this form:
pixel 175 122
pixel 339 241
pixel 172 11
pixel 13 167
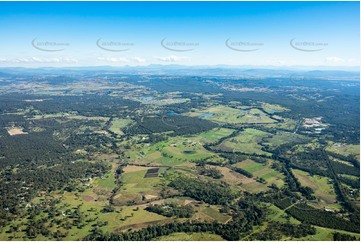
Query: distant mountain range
pixel 351 73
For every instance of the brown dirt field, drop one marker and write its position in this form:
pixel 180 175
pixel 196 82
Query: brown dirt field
pixel 16 131
pixel 88 198
pixel 148 196
pixel 158 202
pixel 186 202
pixel 134 168
pixel 233 178
pixel 101 132
pixel 124 197
pixel 187 164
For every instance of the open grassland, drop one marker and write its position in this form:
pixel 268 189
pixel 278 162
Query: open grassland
pixel 255 115
pixel 285 124
pixel 299 148
pixel 214 214
pixel 190 237
pixel 276 214
pixel 263 171
pixel 273 108
pixel 220 113
pixel 323 189
pixel 247 141
pixel 102 186
pixel 255 187
pixel 214 135
pixel 324 234
pixel 106 182
pixel 118 124
pixel 209 213
pixel 185 148
pixel 225 114
pixel 284 138
pixel 345 149
pixel 173 152
pixel 136 187
pixel 231 177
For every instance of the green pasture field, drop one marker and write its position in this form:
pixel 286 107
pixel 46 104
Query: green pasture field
pixel 324 234
pixel 323 189
pixel 276 214
pixel 118 124
pixel 225 114
pixel 214 134
pixel 284 138
pixel 345 149
pixel 173 152
pixel 273 108
pixel 262 171
pixel 247 141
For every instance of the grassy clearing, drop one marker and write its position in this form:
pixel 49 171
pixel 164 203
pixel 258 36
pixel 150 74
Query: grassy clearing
pixel 255 115
pixel 247 142
pixel 264 171
pixel 345 149
pixel 284 138
pixel 323 190
pixel 190 237
pixel 255 187
pixel 273 108
pixel 231 177
pixel 286 124
pixel 130 218
pixel 224 114
pixel 137 188
pixel 209 213
pixel 279 215
pixel 106 182
pixel 118 124
pixel 215 134
pixel 215 214
pixel 135 182
pixel 184 148
pixel 173 152
pixel 324 234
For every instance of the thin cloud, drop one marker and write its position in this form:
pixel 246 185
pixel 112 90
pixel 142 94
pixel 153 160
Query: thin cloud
pixel 35 59
pixel 334 59
pixel 121 59
pixel 113 59
pixel 172 58
pixel 138 59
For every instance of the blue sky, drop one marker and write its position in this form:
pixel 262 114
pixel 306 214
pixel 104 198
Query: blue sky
pixel 38 34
